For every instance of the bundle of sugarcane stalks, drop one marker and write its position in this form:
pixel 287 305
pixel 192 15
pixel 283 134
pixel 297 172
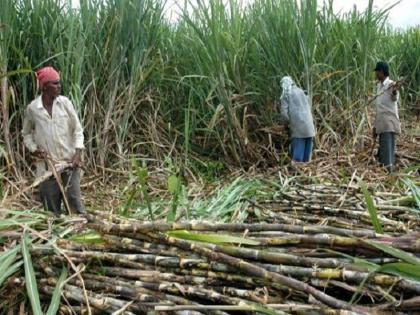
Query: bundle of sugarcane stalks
pixel 310 249
pixel 138 267
pixel 340 206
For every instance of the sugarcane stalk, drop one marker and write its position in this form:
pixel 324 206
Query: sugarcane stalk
pixel 264 255
pixel 131 291
pixel 240 280
pixel 359 215
pixel 250 295
pixel 343 285
pixel 231 308
pixel 119 245
pixel 146 298
pixel 280 309
pixel 179 262
pixel 83 257
pixel 174 288
pixel 318 273
pixel 149 275
pixel 71 310
pixel 142 246
pixel 412 304
pixel 146 259
pixel 343 274
pixel 183 280
pixel 277 258
pixel 71 245
pixel 187 276
pixel 327 240
pixel 146 227
pixel 105 304
pixel 259 272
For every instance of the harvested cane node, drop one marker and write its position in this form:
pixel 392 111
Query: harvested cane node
pixel 71 245
pixel 147 298
pixel 87 256
pixel 150 276
pixel 148 260
pixel 141 246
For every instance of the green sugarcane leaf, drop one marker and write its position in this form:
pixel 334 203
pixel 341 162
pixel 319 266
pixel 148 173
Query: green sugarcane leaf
pixel 403 201
pixel 8 224
pixel 357 262
pixel 174 187
pixel 142 174
pixel 395 252
pixel 212 238
pixel 31 286
pixel 15 72
pixel 366 265
pixel 371 208
pixel 55 300
pixel 404 270
pixel 87 238
pixel 173 184
pixel 10 271
pixel 171 216
pixel 10 253
pixel 7 268
pixel 357 295
pixel 415 191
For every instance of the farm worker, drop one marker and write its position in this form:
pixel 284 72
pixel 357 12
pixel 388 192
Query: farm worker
pixel 387 122
pixel 53 134
pixel 296 112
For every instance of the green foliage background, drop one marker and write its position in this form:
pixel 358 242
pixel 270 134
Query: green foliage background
pixel 208 83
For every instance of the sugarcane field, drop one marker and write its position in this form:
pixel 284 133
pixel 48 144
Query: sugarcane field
pixel 209 157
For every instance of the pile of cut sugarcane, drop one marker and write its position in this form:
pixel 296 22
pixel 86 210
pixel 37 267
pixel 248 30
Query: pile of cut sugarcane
pixel 310 249
pixel 217 268
pixel 341 206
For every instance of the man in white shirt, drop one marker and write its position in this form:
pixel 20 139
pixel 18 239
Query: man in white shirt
pixel 387 121
pixel 53 134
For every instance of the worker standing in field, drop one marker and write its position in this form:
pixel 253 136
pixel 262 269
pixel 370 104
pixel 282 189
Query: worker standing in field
pixel 296 112
pixel 387 122
pixel 53 134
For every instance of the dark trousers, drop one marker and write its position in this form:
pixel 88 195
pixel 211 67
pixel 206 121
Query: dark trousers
pixel 386 153
pixel 52 197
pixel 302 149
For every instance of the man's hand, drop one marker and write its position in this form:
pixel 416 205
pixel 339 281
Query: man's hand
pixel 395 88
pixel 76 161
pixel 40 154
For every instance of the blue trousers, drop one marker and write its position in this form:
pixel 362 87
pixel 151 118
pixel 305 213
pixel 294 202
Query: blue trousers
pixel 302 149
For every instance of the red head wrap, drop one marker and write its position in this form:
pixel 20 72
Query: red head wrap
pixel 46 75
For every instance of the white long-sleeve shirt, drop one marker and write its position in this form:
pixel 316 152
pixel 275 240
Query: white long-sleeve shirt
pixel 59 135
pixel 387 119
pixel 296 111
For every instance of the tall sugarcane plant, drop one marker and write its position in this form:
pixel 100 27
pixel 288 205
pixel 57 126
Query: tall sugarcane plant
pixel 207 81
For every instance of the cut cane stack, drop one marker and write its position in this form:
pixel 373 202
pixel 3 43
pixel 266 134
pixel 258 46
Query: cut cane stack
pixel 308 251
